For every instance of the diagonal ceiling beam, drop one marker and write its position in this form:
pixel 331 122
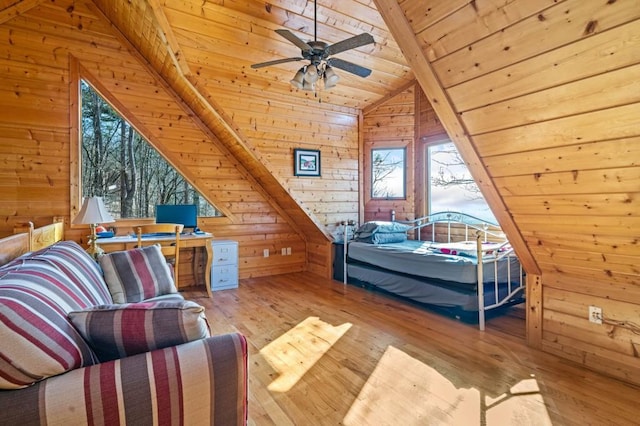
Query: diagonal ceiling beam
pixel 17 9
pixel 169 38
pixel 402 32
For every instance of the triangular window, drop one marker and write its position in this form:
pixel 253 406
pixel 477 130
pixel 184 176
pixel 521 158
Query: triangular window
pixel 120 166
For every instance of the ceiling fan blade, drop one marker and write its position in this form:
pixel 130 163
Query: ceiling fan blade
pixel 350 43
pixel 276 62
pixel 349 67
pixel 294 39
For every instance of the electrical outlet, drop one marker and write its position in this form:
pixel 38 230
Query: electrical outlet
pixel 288 251
pixel 283 251
pixel 265 252
pixel 595 314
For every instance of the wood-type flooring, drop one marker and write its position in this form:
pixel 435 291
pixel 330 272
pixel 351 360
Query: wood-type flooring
pixel 321 353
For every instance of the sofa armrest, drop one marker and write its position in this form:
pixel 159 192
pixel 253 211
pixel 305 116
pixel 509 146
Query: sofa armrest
pixel 200 382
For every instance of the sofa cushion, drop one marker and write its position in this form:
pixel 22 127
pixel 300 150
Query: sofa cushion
pixel 136 275
pixel 74 262
pixel 117 331
pixel 37 340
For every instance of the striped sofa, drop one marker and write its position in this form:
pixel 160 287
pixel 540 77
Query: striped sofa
pixel 70 356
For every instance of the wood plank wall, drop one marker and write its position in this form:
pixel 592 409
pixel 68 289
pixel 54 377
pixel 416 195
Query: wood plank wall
pixel 391 124
pixel 549 94
pixel 408 120
pixel 267 124
pixel 35 136
pixel 274 124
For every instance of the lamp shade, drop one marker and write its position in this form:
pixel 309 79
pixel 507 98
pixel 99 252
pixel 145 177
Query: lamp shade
pixel 93 211
pixel 330 78
pixel 298 80
pixel 311 76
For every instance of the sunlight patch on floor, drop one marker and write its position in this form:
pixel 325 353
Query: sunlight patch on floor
pixel 404 390
pixel 296 351
pixel 521 405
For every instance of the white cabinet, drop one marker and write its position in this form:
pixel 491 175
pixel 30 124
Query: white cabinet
pixel 224 268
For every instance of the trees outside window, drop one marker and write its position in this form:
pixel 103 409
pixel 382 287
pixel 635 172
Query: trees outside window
pixel 388 173
pixel 120 166
pixel 450 185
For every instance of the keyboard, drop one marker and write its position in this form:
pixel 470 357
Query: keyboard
pixel 158 234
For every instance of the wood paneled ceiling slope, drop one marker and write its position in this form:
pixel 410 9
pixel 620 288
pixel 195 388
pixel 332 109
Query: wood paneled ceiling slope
pixel 204 51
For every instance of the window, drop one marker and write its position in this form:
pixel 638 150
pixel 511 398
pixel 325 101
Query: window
pixel 120 166
pixel 388 173
pixel 450 185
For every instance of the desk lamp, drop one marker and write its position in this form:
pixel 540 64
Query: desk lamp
pixel 92 213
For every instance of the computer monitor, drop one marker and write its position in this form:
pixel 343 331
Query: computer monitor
pixel 185 214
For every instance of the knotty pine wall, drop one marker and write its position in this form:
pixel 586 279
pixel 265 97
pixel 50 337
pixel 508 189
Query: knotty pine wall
pixel 275 124
pixel 256 121
pixel 405 119
pixel 390 124
pixel 36 74
pixel 548 94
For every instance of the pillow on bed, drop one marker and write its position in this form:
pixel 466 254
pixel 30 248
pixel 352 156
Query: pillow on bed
pixel 388 238
pixel 369 229
pixel 466 248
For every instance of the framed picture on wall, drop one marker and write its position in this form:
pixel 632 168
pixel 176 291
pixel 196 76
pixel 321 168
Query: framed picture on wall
pixel 306 162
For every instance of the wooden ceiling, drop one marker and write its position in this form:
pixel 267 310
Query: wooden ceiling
pixel 204 50
pixel 217 41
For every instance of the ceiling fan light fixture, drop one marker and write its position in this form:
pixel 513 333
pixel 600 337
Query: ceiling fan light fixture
pixel 330 78
pixel 311 76
pixel 318 54
pixel 298 80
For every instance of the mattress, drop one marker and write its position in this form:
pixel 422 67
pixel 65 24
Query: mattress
pixel 430 260
pixel 430 291
pixel 433 293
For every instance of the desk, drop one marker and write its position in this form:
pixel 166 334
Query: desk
pixel 186 241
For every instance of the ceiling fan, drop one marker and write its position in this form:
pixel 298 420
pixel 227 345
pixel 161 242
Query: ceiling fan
pixel 318 54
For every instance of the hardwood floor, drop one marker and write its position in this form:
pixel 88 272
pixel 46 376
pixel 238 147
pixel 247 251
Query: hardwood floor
pixel 325 354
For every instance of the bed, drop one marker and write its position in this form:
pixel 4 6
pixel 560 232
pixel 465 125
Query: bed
pixel 465 266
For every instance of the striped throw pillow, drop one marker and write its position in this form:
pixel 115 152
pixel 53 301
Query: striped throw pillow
pixel 117 331
pixel 36 338
pixel 137 274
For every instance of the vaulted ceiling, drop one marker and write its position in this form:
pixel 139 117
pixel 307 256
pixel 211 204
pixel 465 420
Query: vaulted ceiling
pixel 215 43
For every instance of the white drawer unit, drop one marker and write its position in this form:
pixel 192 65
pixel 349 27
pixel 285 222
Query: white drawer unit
pixel 224 268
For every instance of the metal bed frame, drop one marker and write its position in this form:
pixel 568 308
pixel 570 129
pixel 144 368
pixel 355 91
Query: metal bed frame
pixel 480 229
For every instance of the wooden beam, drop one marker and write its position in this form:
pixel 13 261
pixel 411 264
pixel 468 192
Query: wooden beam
pixel 75 147
pixel 401 30
pixel 168 37
pixel 17 9
pixel 534 311
pixel 379 102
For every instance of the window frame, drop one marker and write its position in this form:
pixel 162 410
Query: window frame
pixel 77 74
pixel 372 150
